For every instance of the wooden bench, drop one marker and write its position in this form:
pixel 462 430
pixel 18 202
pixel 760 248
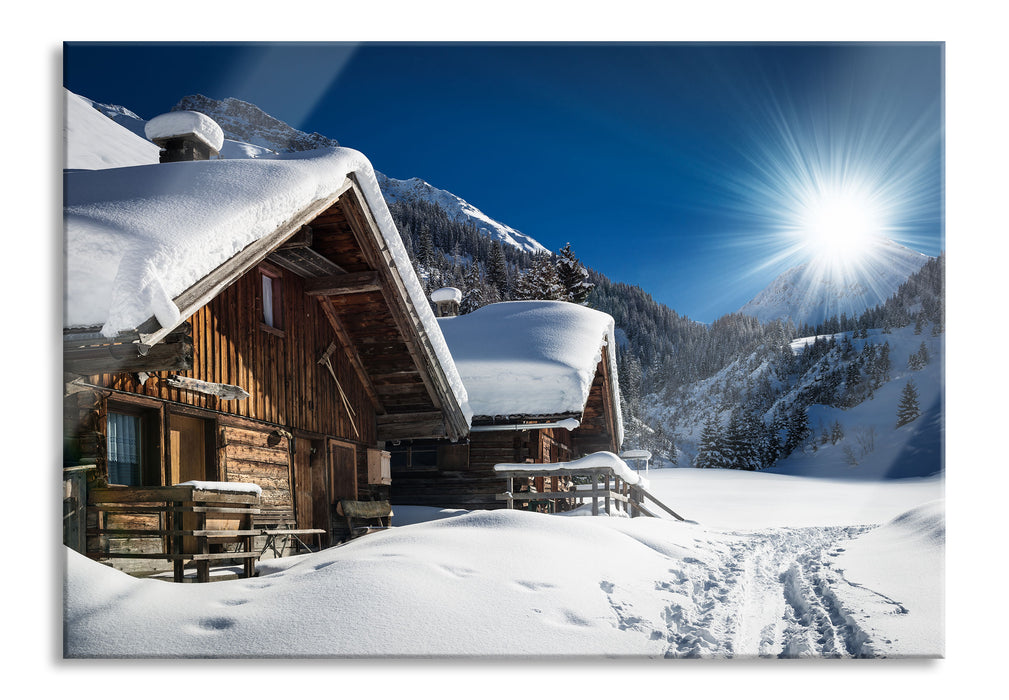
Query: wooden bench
pixel 376 515
pixel 281 524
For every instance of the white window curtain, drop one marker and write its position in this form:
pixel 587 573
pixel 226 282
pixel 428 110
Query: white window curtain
pixel 124 449
pixel 268 300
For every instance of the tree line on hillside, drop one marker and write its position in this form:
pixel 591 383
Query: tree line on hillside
pixel 919 300
pixel 663 354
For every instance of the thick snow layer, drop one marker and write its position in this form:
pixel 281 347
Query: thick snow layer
pixel 529 357
pixel 447 294
pixel 735 583
pixel 887 602
pixel 92 141
pixel 138 237
pixel 182 123
pixel 224 486
pixel 595 460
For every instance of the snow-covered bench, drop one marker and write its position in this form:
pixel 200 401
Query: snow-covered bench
pixel 376 515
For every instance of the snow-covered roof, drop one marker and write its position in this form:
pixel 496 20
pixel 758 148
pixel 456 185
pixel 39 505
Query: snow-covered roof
pixel 531 358
pixel 138 237
pixel 185 123
pixel 446 294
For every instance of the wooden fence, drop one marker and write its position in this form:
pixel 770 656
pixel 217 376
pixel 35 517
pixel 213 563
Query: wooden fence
pixel 605 488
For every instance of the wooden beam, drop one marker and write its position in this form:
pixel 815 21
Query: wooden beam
pixel 413 431
pixel 352 354
pixel 302 239
pixel 111 359
pixel 349 283
pixel 414 417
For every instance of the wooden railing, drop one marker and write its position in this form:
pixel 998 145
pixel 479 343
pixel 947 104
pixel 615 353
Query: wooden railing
pixel 174 523
pixel 75 501
pixel 604 488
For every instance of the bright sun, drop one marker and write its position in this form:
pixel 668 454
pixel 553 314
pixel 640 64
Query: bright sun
pixel 840 226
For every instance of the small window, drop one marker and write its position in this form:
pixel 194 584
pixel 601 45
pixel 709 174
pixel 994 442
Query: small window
pixel 125 449
pixel 270 284
pixel 420 455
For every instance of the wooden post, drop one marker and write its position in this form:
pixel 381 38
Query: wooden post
pixel 175 518
pixel 510 486
pixel 203 547
pixel 606 492
pixel 595 493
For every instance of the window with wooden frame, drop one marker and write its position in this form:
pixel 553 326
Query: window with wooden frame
pixel 420 455
pixel 131 441
pixel 272 300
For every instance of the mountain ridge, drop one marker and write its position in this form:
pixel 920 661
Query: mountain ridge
pixel 813 292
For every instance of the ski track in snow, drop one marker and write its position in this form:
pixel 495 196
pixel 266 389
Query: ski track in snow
pixel 770 593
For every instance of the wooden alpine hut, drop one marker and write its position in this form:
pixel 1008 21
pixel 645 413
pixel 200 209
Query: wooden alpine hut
pixel 252 322
pixel 542 384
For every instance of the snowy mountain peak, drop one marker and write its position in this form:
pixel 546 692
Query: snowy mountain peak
pixel 814 292
pixel 243 121
pixel 458 209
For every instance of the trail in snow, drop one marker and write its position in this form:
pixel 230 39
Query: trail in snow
pixel 770 593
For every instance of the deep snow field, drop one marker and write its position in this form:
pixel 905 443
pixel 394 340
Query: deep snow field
pixel 766 566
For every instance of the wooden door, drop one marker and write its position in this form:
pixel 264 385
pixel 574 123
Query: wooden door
pixel 187 442
pixel 187 439
pixel 342 471
pixel 320 489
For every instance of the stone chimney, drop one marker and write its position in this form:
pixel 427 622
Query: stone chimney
pixel 447 299
pixel 185 136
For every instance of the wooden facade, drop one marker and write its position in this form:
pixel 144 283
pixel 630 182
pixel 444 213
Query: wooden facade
pixel 317 327
pixel 463 476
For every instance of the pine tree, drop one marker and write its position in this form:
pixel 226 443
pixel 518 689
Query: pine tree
pixel 797 430
pixel 709 452
pixel 907 409
pixel 573 276
pixel 836 433
pixel 497 270
pixel 425 247
pixel 919 359
pixel 539 282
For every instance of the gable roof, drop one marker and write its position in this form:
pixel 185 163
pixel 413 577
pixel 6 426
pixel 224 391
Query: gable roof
pixel 147 246
pixel 533 358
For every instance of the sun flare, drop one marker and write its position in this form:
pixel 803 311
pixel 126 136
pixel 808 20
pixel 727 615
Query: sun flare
pixel 838 225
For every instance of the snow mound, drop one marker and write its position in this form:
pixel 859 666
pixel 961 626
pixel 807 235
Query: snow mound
pixel 93 141
pixel 182 123
pixel 926 523
pixel 529 357
pixel 902 602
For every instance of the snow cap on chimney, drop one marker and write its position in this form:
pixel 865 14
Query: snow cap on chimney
pixel 185 135
pixel 448 300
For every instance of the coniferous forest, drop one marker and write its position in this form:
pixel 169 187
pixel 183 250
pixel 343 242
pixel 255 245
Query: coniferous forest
pixel 663 356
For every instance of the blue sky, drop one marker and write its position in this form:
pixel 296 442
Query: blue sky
pixel 668 166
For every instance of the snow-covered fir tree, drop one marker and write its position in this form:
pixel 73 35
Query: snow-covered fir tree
pixel 907 409
pixel 574 277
